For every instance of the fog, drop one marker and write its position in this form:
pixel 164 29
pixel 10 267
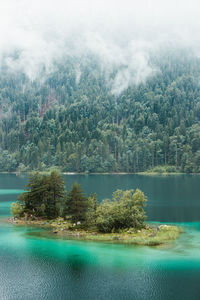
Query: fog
pixel 121 33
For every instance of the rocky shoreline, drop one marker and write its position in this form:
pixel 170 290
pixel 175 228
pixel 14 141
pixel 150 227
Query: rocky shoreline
pixel 151 235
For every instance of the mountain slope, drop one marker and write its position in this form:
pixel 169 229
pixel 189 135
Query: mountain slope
pixel 70 118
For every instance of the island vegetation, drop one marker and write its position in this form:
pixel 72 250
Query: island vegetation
pixel 122 218
pixel 162 170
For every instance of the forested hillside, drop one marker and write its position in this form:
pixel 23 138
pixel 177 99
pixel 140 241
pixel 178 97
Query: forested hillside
pixel 71 119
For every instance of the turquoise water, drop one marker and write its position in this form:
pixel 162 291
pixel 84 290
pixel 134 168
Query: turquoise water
pixel 35 267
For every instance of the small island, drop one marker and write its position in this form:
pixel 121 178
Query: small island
pixel 45 203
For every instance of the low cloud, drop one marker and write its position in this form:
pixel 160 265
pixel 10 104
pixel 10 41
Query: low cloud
pixel 121 33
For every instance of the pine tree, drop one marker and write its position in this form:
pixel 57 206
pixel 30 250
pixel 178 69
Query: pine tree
pixel 55 194
pixel 34 196
pixel 44 196
pixel 76 204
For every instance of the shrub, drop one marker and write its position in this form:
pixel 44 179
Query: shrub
pixel 17 209
pixel 125 210
pixel 171 169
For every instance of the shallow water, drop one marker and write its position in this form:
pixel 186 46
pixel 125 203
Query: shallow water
pixel 32 267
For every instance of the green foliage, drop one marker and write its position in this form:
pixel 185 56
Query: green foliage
pixel 125 210
pixel 91 214
pixel 80 126
pixel 106 216
pixel 17 209
pixel 76 205
pixel 146 236
pixel 44 196
pixel 55 195
pixel 163 169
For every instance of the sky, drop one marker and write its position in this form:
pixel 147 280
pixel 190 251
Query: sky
pixel 121 33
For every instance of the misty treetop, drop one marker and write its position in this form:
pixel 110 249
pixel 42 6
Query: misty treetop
pixel 78 124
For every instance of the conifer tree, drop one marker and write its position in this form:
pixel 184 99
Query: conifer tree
pixel 55 194
pixel 33 196
pixel 44 195
pixel 76 204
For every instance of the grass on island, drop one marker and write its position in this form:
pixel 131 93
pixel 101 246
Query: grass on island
pixel 149 236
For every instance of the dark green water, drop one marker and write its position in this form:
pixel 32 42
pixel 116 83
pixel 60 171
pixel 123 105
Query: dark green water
pixel 39 268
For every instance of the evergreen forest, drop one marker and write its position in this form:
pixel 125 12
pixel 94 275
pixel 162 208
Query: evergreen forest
pixel 70 117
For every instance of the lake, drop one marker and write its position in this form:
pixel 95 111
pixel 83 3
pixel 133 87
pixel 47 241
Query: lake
pixel 34 267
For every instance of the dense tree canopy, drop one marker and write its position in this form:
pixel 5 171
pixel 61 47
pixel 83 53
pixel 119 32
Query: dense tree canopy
pixel 125 210
pixel 77 124
pixel 44 195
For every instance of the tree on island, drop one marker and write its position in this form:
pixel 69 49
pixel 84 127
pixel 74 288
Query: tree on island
pixel 76 205
pixel 91 214
pixel 125 210
pixel 56 194
pixel 44 195
pixel 45 198
pixel 32 198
